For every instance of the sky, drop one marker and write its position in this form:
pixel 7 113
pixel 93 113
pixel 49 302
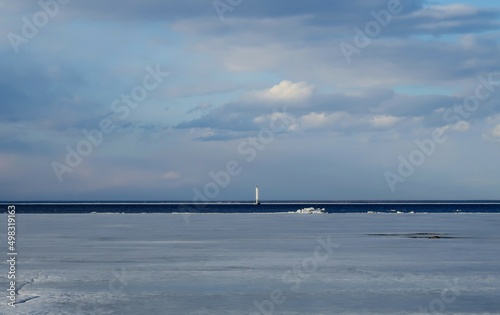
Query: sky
pixel 203 100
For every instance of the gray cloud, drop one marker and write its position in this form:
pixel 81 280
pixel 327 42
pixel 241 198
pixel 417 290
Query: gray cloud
pixel 327 11
pixel 371 111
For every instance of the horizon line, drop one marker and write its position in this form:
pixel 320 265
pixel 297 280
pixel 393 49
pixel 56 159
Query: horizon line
pixel 249 202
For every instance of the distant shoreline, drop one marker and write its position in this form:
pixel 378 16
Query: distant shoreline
pixel 246 202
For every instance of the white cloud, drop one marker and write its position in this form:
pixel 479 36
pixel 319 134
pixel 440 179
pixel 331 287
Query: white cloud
pixel 492 134
pixel 496 131
pixel 492 131
pixel 445 11
pixel 381 121
pixel 340 120
pixel 317 120
pixel 286 91
pixel 461 126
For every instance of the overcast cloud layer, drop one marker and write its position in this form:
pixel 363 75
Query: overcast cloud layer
pixel 307 99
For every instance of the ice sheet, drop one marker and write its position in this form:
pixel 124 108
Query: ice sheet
pixel 256 264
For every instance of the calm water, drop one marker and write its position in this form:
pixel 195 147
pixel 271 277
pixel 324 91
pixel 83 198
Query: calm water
pixel 266 207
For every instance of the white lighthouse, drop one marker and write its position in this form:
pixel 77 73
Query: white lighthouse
pixel 257 196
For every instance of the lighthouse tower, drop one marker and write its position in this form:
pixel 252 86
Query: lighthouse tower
pixel 257 202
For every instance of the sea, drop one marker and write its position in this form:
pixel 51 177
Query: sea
pixel 408 206
pixel 237 258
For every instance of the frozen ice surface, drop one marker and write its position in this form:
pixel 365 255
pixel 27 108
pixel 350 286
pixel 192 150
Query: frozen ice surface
pixel 256 264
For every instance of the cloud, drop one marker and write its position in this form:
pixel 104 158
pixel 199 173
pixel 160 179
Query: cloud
pixel 168 10
pixel 438 20
pixel 286 91
pixel 367 111
pixel 301 103
pixel 268 61
pixel 446 11
pixel 461 126
pixel 384 120
pixel 318 120
pixel 171 176
pixel 201 108
pixel 492 128
pixel 495 132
